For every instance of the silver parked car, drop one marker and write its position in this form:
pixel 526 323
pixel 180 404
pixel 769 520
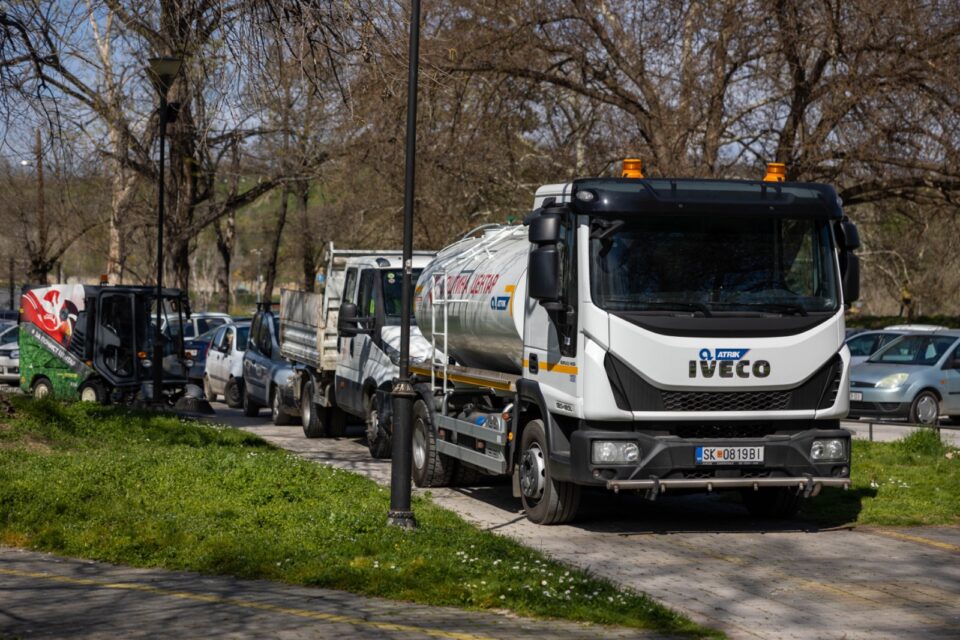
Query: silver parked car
pixel 916 377
pixel 223 374
pixel 866 343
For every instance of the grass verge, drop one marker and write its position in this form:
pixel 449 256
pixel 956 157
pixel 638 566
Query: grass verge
pixel 913 481
pixel 148 490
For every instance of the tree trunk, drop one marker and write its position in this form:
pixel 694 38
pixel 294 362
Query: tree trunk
pixel 275 245
pixel 226 240
pixel 307 241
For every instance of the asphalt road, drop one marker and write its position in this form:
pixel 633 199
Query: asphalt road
pixel 707 557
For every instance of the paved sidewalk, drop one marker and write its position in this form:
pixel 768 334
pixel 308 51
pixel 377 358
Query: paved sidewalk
pixel 704 556
pixel 45 596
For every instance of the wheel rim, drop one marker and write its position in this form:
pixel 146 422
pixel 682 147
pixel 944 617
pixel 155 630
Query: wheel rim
pixel 41 391
pixel 419 446
pixel 276 404
pixel 89 394
pixel 927 409
pixel 533 472
pixel 373 424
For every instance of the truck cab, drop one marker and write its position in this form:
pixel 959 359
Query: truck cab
pixel 369 341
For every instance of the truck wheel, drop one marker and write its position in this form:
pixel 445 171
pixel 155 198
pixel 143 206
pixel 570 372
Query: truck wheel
pixel 42 388
pixel 772 502
pixel 546 501
pixel 207 390
pixel 233 393
pixel 378 440
pixel 314 418
pixel 251 408
pixel 430 467
pixel 925 408
pixel 276 409
pixel 93 391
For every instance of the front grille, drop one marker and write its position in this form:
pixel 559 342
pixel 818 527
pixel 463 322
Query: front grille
pixel 725 401
pixel 724 429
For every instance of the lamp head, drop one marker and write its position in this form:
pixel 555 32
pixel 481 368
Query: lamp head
pixel 163 71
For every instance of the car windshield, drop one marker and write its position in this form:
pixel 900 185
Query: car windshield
pixel 920 350
pixel 9 335
pixel 393 294
pixel 711 264
pixel 243 334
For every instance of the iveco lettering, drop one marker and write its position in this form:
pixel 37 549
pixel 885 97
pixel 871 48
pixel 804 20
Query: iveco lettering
pixel 727 363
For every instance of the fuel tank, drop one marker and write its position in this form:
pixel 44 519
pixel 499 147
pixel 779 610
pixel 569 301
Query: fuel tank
pixel 480 284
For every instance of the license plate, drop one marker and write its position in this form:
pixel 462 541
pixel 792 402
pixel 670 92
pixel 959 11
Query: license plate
pixel 856 396
pixel 190 353
pixel 729 455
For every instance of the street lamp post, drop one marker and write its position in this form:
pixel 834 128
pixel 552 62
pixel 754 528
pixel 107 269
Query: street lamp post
pixel 401 514
pixel 162 72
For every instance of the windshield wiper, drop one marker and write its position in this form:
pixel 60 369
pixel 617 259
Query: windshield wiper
pixel 782 307
pixel 678 306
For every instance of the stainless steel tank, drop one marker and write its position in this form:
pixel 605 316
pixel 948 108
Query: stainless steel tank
pixel 482 282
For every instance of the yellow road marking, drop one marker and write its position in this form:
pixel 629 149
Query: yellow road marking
pixel 246 604
pixel 896 535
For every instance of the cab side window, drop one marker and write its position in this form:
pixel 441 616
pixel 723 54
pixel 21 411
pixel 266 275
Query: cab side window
pixel 350 285
pixel 264 343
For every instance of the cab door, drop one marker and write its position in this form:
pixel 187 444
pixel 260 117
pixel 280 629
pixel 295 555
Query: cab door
pixel 355 349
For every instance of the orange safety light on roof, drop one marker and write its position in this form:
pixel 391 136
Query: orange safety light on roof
pixel 776 172
pixel 632 168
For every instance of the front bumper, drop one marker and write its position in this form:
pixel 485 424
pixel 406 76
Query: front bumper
pixel 880 403
pixel 669 463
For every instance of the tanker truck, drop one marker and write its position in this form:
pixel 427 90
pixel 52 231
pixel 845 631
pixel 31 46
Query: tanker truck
pixel 643 334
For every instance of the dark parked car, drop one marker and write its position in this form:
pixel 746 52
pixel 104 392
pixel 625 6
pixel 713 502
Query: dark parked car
pixel 196 350
pixel 267 377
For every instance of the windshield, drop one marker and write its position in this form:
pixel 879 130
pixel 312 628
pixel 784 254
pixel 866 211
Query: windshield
pixel 923 350
pixel 706 264
pixel 393 294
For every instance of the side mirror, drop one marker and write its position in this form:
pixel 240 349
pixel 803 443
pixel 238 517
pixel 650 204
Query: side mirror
pixel 848 237
pixel 543 274
pixel 347 319
pixel 850 277
pixel 545 229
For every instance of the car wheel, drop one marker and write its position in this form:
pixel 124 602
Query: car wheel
pixel 925 408
pixel 430 467
pixel 276 409
pixel 233 393
pixel 208 390
pixel 314 418
pixel 378 439
pixel 545 499
pixel 42 388
pixel 772 502
pixel 93 391
pixel 251 408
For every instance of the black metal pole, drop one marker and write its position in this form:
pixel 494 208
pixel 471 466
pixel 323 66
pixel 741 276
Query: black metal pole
pixel 401 514
pixel 158 334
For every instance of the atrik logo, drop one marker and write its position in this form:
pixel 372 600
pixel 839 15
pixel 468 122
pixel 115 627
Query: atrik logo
pixel 727 362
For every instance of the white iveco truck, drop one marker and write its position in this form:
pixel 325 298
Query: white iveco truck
pixel 653 335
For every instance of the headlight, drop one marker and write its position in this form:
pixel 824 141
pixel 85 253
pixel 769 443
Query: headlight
pixel 828 450
pixel 615 452
pixel 15 355
pixel 893 381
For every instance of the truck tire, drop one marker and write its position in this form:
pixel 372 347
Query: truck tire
pixel 251 408
pixel 378 440
pixel 233 393
pixel 772 502
pixel 93 391
pixel 207 390
pixel 314 418
pixel 279 418
pixel 430 468
pixel 546 500
pixel 42 388
pixel 925 408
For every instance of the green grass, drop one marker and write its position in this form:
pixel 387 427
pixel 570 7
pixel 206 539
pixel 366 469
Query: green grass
pixel 914 481
pixel 151 490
